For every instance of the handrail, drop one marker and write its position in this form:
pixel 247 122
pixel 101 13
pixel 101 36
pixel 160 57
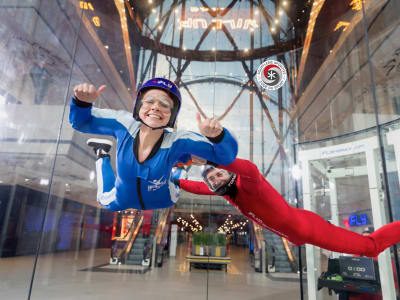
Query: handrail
pixel 291 256
pixel 162 222
pixel 160 236
pixel 258 235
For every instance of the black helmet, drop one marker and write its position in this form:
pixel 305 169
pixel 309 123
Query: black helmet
pixel 224 187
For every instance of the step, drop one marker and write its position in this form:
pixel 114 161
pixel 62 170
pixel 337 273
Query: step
pixel 135 257
pixel 136 251
pixel 135 263
pixel 283 269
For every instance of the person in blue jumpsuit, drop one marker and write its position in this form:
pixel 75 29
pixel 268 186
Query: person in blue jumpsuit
pixel 146 151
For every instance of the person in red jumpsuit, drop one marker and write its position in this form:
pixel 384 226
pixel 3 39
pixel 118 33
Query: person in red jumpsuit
pixel 242 184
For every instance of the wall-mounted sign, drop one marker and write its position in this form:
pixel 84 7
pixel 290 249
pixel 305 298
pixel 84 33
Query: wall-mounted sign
pixel 86 5
pixel 96 21
pixel 198 17
pixel 359 220
pixel 356 4
pixel 271 75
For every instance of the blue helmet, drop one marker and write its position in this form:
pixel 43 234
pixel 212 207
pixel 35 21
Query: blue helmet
pixel 165 85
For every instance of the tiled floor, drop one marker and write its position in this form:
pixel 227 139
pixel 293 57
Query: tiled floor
pixel 59 276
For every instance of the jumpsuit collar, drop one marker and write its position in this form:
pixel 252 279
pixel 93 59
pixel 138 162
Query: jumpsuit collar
pixel 153 152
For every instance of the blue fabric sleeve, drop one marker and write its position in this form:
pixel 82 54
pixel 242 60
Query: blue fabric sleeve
pixel 223 152
pixel 94 120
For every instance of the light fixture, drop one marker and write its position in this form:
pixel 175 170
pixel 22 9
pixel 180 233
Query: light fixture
pixel 44 181
pixel 245 49
pixel 284 3
pixel 106 46
pixel 276 21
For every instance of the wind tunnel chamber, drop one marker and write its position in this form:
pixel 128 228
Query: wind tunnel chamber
pixel 321 125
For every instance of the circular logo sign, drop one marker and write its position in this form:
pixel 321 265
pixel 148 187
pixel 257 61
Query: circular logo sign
pixel 271 75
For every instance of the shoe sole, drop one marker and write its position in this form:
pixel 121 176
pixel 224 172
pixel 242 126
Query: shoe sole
pixel 100 143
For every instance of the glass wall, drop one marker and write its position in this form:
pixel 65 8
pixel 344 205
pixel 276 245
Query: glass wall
pixel 334 120
pixel 347 131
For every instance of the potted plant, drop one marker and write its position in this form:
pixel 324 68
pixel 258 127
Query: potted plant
pixel 220 249
pixel 198 247
pixel 219 245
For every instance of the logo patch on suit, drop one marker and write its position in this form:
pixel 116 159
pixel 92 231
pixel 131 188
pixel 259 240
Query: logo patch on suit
pixel 156 184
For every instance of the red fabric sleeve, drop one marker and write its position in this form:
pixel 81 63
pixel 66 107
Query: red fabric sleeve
pixel 242 167
pixel 195 187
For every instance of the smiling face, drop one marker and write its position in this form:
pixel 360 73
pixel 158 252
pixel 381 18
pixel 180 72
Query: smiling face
pixel 156 107
pixel 217 178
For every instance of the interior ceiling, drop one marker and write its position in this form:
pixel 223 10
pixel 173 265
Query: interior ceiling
pixel 297 12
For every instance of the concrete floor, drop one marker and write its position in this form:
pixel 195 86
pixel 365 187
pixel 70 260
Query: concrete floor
pixel 60 276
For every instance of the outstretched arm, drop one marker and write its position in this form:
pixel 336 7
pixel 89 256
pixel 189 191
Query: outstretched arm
pixel 88 119
pixel 221 149
pixel 194 187
pixel 242 167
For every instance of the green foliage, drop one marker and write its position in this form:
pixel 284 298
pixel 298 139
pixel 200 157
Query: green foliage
pixel 197 238
pixel 208 239
pixel 221 239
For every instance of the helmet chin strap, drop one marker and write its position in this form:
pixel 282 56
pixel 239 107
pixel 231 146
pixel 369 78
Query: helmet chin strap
pixel 153 128
pixel 226 188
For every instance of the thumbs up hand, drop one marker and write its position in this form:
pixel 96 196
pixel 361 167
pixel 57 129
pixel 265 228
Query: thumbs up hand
pixel 87 92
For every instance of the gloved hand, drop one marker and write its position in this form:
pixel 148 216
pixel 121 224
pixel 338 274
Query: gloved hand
pixel 175 175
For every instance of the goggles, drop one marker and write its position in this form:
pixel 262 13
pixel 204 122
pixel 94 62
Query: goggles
pixel 164 102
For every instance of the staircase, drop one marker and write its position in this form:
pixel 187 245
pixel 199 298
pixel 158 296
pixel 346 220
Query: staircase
pixel 276 250
pixel 141 249
pixel 142 246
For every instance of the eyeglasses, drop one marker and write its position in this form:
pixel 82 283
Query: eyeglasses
pixel 163 102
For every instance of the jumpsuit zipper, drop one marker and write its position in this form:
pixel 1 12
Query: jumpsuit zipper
pixel 139 191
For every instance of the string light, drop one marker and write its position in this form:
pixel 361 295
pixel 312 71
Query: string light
pixel 195 227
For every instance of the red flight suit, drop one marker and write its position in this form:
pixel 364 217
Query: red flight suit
pixel 260 202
